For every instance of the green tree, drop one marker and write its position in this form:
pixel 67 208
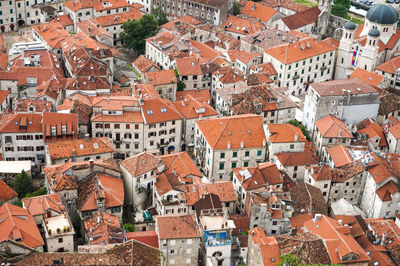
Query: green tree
pixel 39 192
pixel 180 85
pixel 340 8
pixel 301 126
pixel 236 8
pixel 160 16
pixel 289 260
pixel 135 32
pixel 129 227
pixel 22 184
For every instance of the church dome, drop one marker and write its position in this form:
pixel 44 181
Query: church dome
pixel 350 26
pixel 382 14
pixel 374 32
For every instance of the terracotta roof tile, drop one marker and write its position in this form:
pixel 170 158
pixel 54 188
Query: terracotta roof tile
pixel 97 5
pixel 129 253
pixel 258 11
pixel 390 66
pixel 331 127
pixel 297 158
pixel 11 123
pixel 309 248
pixel 285 133
pixel 64 20
pixel 263 175
pixel 53 33
pixel 290 53
pixel 170 227
pixel 241 25
pixel 288 4
pixel 268 246
pixel 116 19
pixel 191 108
pixel 103 228
pixel 147 237
pixel 143 64
pixel 336 87
pixel 23 105
pixel 82 147
pixel 181 166
pixel 159 110
pixel 41 204
pixel 386 192
pixel 6 192
pixel 140 163
pixel 221 132
pixel 185 19
pixel 194 192
pixel 338 240
pixel 200 95
pixel 100 186
pixel 308 199
pixel 302 18
pixel 371 78
pixel 18 225
pixel 340 155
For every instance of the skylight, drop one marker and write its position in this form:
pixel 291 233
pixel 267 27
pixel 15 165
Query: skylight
pixel 163 110
pixel 149 112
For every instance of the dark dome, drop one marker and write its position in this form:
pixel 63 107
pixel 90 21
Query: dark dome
pixel 374 32
pixel 382 14
pixel 350 26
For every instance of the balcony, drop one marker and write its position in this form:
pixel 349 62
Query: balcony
pixel 216 239
pixel 323 68
pixel 117 141
pixel 296 76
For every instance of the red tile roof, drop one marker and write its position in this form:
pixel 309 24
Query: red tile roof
pixel 18 225
pixel 196 191
pixel 256 177
pixel 340 155
pixel 338 240
pixel 337 87
pixel 141 163
pixel 159 110
pixel 64 20
pixel 285 133
pixel 97 5
pixel 221 132
pixel 21 122
pixel 180 165
pixel 242 26
pixel 302 18
pixel 6 192
pixel 143 64
pixel 297 51
pixel 103 228
pixel 53 33
pixel 390 66
pixel 177 227
pixel 297 158
pixel 147 237
pixel 200 95
pixel 258 11
pixel 371 78
pixel 116 19
pixel 332 127
pixel 41 204
pixel 100 186
pixel 269 248
pixel 81 147
pixel 187 66
pixel 185 19
pixel 191 108
pixel 386 192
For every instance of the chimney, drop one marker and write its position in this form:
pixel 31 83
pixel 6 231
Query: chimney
pixel 296 137
pixel 86 137
pixel 340 134
pixel 91 163
pixel 73 155
pixel 340 221
pixel 253 7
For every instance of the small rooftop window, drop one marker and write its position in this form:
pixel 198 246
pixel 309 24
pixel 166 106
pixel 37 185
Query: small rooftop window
pixel 149 112
pixel 81 146
pixel 163 110
pixel 95 145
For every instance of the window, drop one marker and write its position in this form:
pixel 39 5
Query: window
pixel 222 155
pixel 247 153
pixel 259 153
pixel 234 165
pixel 221 166
pixel 127 126
pixel 116 126
pixel 234 155
pixel 60 240
pixel 245 164
pixel 291 146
